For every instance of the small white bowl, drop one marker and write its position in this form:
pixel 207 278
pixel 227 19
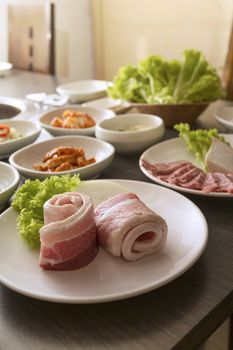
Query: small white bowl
pixel 9 180
pixel 85 90
pixel 96 113
pixel 24 159
pixel 29 131
pixel 129 142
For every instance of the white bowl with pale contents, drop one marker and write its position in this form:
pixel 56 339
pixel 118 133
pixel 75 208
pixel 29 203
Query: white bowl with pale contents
pixel 9 180
pixel 97 114
pixel 22 133
pixel 28 157
pixel 131 133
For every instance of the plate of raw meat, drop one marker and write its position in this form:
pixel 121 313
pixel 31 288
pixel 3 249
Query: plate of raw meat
pixel 170 164
pixel 106 274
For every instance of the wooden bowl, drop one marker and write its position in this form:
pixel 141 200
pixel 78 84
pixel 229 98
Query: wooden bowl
pixel 170 113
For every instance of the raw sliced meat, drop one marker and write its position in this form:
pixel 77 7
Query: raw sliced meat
pixel 174 176
pixel 127 227
pixel 210 184
pixel 163 168
pixel 68 238
pixel 187 175
pixel 196 182
pixel 225 183
pixel 230 176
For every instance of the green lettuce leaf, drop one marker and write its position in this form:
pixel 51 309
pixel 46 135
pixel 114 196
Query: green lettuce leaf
pixel 197 81
pixel 198 141
pixel 29 201
pixel 129 85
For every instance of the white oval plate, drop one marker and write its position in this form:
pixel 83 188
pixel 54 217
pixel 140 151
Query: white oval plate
pixel 85 90
pixel 173 150
pixel 224 115
pixel 9 180
pixel 29 131
pixel 109 278
pixel 24 159
pixel 96 113
pixel 104 102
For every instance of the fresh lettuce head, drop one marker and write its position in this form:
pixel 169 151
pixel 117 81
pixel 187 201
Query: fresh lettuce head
pixel 156 80
pixel 29 201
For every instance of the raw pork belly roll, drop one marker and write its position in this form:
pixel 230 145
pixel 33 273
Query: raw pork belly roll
pixel 127 227
pixel 68 239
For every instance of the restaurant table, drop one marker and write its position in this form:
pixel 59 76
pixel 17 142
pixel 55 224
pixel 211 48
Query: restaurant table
pixel 180 315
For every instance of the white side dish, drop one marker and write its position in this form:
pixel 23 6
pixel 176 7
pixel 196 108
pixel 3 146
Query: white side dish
pixel 132 132
pixel 9 180
pixel 104 103
pixel 109 278
pixel 28 130
pixel 24 159
pixel 85 90
pixel 96 113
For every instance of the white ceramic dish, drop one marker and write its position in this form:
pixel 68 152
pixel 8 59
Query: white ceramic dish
pixel 97 114
pixel 224 115
pixel 104 103
pixel 109 278
pixel 5 68
pixel 85 90
pixel 173 150
pixel 9 180
pixel 129 142
pixel 24 159
pixel 29 131
pixel 51 100
pixel 23 108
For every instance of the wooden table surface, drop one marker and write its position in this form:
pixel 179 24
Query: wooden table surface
pixel 179 315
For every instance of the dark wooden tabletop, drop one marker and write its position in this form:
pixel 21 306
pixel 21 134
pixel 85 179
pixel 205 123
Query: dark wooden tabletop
pixel 179 315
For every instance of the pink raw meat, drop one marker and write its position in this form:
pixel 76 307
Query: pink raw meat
pixel 127 227
pixel 174 176
pixel 225 183
pixel 163 168
pixel 196 182
pixel 68 238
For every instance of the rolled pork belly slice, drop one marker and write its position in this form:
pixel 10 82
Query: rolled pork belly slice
pixel 127 227
pixel 68 238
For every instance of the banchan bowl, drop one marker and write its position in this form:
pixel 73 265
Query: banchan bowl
pixel 9 180
pixel 24 159
pixel 122 132
pixel 97 114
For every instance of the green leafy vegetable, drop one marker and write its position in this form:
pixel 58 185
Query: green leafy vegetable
pixel 29 200
pixel 155 80
pixel 198 141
